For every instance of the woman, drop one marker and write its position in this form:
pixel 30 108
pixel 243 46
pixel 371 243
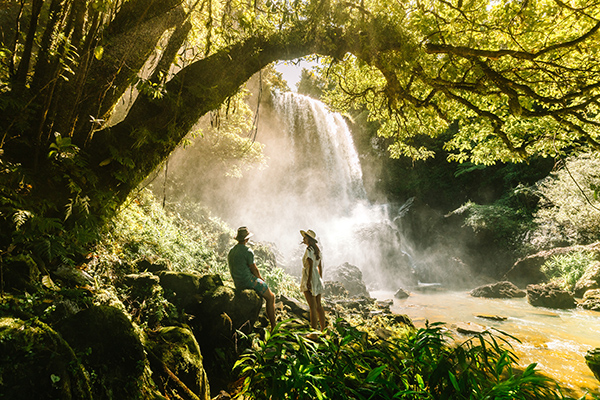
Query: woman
pixel 312 273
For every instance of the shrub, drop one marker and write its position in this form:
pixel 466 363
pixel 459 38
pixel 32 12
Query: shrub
pixel 348 363
pixel 566 269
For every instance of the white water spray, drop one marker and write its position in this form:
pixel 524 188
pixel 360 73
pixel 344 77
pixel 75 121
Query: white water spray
pixel 314 181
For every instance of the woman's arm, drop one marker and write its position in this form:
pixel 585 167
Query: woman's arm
pixel 309 261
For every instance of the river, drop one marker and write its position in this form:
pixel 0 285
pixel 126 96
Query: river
pixel 556 340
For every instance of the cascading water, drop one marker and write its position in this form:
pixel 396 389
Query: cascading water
pixel 314 181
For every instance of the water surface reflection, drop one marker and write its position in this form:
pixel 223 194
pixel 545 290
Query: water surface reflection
pixel 556 339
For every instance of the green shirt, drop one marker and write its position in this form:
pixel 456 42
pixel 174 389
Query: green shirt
pixel 240 258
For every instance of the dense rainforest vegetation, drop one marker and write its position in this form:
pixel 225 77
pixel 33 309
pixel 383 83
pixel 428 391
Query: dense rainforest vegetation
pixel 96 94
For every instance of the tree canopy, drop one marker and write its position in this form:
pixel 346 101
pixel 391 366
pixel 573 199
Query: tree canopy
pixel 95 94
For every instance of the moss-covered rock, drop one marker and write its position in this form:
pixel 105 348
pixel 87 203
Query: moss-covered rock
pixel 110 350
pixel 592 359
pixel 174 350
pixel 36 363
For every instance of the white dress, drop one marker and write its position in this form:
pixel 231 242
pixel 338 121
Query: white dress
pixel 316 282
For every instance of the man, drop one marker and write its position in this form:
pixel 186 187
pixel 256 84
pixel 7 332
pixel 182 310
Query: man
pixel 245 274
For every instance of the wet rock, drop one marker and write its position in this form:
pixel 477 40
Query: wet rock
pixel 592 359
pixel 589 280
pixel 175 357
pixel 499 290
pixel 36 363
pixel 550 295
pixel 108 346
pixel 469 328
pixel 492 317
pixel 591 300
pixel 142 285
pixel 401 294
pixel 350 278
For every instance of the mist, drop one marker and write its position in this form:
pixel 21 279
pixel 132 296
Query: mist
pixel 312 179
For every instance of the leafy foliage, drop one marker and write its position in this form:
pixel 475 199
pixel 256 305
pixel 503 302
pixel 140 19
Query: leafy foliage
pixel 347 363
pixel 569 212
pixel 566 269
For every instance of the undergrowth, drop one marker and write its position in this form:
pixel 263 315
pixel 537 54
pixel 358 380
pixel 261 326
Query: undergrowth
pixel 348 363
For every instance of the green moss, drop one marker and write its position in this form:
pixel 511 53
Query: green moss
pixel 36 363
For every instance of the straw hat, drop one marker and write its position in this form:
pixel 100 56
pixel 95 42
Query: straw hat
pixel 242 234
pixel 311 234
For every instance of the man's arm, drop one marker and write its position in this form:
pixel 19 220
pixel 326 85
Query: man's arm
pixel 255 271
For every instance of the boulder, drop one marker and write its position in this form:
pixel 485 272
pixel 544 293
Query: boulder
pixel 589 280
pixel 295 307
pixel 591 300
pixel 592 359
pixel 36 363
pixel 550 295
pixel 142 285
pixel 176 361
pixel 109 348
pixel 401 294
pixel 498 290
pixel 351 279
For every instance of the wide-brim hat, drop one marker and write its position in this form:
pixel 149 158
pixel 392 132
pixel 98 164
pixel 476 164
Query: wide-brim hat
pixel 310 233
pixel 243 233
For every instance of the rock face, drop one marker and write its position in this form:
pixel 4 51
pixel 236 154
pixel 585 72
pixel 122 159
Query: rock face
pixel 589 280
pixel 351 279
pixel 499 290
pixel 30 350
pixel 592 359
pixel 550 295
pixel 591 300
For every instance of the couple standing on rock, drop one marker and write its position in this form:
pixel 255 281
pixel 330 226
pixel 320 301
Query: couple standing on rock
pixel 246 275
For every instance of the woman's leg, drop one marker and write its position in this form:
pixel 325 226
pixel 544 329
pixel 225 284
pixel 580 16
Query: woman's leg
pixel 310 299
pixel 320 312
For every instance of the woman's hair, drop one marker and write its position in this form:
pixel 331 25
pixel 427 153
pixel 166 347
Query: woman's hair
pixel 313 244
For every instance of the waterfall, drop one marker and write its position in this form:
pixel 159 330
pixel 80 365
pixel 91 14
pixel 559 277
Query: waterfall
pixel 314 181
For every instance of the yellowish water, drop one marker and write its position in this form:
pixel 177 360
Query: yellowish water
pixel 556 340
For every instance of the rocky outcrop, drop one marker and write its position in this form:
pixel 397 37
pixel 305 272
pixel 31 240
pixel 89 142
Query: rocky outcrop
pixel 589 280
pixel 498 290
pixel 351 279
pixel 527 270
pixel 591 300
pixel 401 294
pixel 550 295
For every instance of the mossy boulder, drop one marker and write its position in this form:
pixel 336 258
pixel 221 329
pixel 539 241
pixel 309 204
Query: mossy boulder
pixel 187 289
pixel 36 363
pixel 174 350
pixel 592 359
pixel 109 348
